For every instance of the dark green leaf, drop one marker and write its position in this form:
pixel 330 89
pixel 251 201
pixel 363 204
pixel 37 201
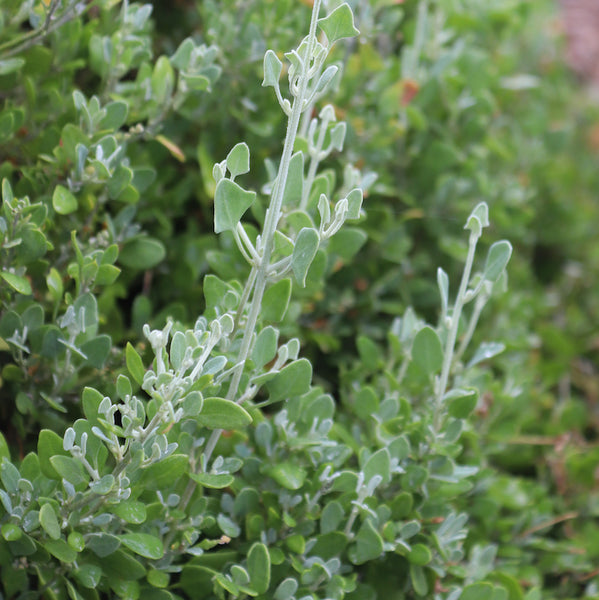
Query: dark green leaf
pixel 142 253
pixel 143 544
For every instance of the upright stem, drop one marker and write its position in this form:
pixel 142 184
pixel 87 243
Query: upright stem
pixel 273 214
pixel 453 331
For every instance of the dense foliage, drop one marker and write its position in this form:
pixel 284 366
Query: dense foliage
pixel 271 340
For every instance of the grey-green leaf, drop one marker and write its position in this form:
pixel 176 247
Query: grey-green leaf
pixel 218 413
pixel 272 69
pixel 293 380
pixel 368 546
pixel 304 251
pixel 497 259
pixel 339 24
pixel 265 346
pixel 238 159
pixel 230 203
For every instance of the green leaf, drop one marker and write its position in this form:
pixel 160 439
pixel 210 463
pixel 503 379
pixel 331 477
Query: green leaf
pixel 142 253
pixel 287 475
pixel 497 259
pixel 443 284
pixel 162 80
pixel 70 469
pixel 143 544
pixel 91 400
pixel 97 350
pixel 420 584
pixel 165 472
pixel 218 413
pixel 481 212
pixel 131 511
pixel 420 555
pixel 304 251
pixel 339 24
pixel 427 352
pixel 286 589
pixel 272 69
pixel 63 201
pixel 10 65
pixel 120 179
pixel 486 351
pixel 461 402
pixel 49 445
pixel 135 365
pixel 215 481
pixel 18 283
pixel 347 242
pixel 331 517
pixel 103 486
pixel 230 203
pixel 4 451
pixel 49 521
pixel 258 565
pixel 76 541
pixel 292 380
pixel 368 545
pixel 116 115
pixel 238 159
pixel 11 532
pixel 121 565
pixel 476 591
pixel 275 301
pixel 61 550
pixel 265 346
pixel 193 403
pixel 123 387
pixel 294 184
pixel 378 464
pixel 54 283
pixel 88 575
pixel 370 353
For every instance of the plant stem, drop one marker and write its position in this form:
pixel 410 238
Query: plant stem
pixel 453 331
pixel 273 215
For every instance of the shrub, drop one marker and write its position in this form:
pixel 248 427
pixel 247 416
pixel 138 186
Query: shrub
pixel 157 453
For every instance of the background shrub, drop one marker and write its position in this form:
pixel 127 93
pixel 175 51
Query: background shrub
pixel 370 482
